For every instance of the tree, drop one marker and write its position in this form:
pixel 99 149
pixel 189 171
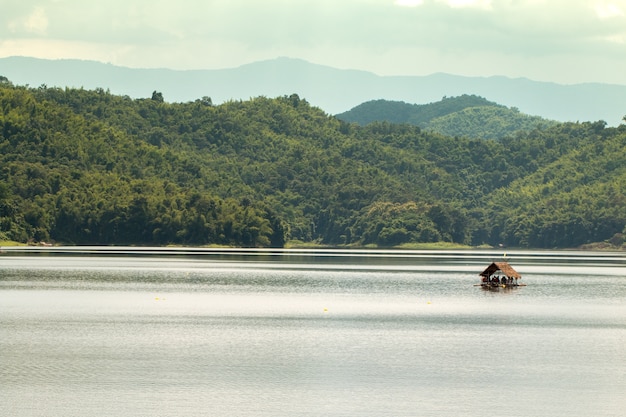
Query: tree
pixel 157 96
pixel 85 166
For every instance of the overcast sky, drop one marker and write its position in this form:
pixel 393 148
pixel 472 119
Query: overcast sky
pixel 566 41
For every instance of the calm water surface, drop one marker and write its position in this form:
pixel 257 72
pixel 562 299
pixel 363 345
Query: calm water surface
pixel 142 332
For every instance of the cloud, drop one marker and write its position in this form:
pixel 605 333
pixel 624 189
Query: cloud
pixel 409 3
pixel 483 4
pixel 36 22
pixel 385 36
pixel 607 10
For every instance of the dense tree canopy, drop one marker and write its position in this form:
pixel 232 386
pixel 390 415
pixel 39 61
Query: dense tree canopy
pixel 89 167
pixel 467 115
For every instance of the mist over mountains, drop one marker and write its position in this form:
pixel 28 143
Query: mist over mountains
pixel 333 90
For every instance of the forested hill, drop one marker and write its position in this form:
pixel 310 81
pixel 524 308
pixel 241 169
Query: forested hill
pixel 466 115
pixel 89 167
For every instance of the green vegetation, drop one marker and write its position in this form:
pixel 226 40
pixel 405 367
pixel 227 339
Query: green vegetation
pixel 89 167
pixel 10 243
pixel 467 115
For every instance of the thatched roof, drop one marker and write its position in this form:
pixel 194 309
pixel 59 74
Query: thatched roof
pixel 503 267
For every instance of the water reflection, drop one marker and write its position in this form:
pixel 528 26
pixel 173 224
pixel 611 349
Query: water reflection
pixel 280 333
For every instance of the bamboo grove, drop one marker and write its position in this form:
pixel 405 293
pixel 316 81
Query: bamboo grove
pixel 89 167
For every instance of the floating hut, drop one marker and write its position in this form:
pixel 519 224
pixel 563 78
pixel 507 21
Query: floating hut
pixel 500 274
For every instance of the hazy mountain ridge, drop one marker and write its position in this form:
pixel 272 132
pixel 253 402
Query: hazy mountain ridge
pixel 333 90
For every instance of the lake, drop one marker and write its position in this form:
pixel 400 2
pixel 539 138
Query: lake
pixel 209 332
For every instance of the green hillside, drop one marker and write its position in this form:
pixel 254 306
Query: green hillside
pixel 466 115
pixel 416 114
pixel 579 197
pixel 89 167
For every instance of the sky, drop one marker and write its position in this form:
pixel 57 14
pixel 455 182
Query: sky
pixel 564 41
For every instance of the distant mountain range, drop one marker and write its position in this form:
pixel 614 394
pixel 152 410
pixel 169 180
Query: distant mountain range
pixel 333 90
